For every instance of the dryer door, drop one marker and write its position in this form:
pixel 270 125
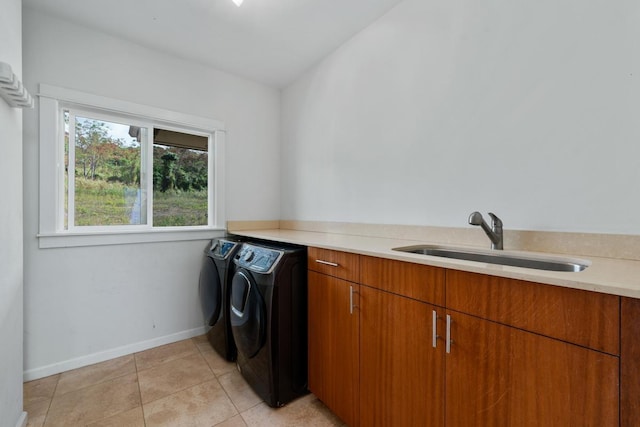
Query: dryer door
pixel 210 292
pixel 248 316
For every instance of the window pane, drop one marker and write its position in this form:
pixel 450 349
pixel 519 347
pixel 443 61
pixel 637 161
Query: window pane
pixel 180 176
pixel 109 186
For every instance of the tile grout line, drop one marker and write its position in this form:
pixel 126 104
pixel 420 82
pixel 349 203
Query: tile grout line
pixel 119 412
pixel 222 387
pixel 99 382
pixel 225 390
pixel 46 415
pixel 234 404
pixel 182 389
pixel 247 410
pixel 229 397
pixel 164 361
pixel 199 352
pixel 215 377
pixel 135 362
pixel 104 382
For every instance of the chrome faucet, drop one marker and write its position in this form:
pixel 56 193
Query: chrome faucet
pixel 495 232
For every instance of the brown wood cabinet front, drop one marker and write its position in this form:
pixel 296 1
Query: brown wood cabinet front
pixel 344 265
pixel 498 376
pixel 630 363
pixel 522 354
pixel 401 373
pixel 585 318
pixel 421 282
pixel 333 344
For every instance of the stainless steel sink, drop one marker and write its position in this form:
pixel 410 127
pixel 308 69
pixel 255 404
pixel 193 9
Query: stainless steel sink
pixel 538 262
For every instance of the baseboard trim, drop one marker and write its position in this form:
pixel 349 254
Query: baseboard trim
pixel 90 359
pixel 22 421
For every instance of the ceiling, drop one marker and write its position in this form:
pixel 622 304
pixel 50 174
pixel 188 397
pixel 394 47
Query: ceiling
pixel 270 41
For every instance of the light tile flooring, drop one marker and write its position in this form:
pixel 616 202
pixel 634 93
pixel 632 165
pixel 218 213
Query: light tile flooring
pixel 181 384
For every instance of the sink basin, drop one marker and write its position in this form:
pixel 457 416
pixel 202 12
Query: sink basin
pixel 512 259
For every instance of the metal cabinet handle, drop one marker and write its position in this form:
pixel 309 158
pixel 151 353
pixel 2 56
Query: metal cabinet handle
pixel 332 264
pixel 448 340
pixel 351 306
pixel 435 329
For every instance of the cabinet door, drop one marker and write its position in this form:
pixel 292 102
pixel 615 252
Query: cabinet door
pixel 333 344
pixel 499 376
pixel 630 363
pixel 401 373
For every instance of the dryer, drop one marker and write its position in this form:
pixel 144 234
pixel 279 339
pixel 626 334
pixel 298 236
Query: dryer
pixel 269 319
pixel 215 275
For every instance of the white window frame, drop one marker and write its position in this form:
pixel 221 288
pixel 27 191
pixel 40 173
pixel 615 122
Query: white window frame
pixel 146 148
pixel 52 234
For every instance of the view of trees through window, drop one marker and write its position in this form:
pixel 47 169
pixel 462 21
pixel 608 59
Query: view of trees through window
pixel 110 179
pixel 179 186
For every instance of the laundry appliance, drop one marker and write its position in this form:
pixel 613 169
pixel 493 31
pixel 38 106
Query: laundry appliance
pixel 269 319
pixel 215 277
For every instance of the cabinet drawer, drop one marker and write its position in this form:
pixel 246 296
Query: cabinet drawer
pixel 343 265
pixel 585 318
pixel 421 282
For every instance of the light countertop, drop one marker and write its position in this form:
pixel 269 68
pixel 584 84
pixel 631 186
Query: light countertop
pixel 606 275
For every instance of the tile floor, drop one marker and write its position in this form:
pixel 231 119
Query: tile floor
pixel 181 384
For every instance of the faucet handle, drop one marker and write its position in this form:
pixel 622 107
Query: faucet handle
pixel 495 221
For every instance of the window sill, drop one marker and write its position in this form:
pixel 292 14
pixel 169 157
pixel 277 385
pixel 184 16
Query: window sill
pixel 70 240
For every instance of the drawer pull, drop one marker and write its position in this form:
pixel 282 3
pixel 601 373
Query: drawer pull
pixel 332 264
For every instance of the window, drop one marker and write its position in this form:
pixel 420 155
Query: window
pixel 123 169
pixel 120 173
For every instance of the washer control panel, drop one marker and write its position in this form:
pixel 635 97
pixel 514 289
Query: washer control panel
pixel 221 248
pixel 257 258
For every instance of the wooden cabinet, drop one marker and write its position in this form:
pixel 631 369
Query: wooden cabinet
pixel 498 375
pixel 519 353
pixel 529 354
pixel 334 335
pixel 630 362
pixel 421 282
pixel 401 373
pixel 584 318
pixel 334 263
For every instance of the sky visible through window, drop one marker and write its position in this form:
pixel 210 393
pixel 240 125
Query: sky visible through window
pixel 116 130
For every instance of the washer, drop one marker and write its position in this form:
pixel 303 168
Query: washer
pixel 215 276
pixel 269 319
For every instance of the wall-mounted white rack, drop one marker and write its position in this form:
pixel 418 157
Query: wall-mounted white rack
pixel 12 90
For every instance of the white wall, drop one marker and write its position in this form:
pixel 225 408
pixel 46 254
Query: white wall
pixel 527 109
pixel 86 304
pixel 11 266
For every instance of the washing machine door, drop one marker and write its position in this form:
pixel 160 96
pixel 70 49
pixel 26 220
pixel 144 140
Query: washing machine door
pixel 210 292
pixel 248 314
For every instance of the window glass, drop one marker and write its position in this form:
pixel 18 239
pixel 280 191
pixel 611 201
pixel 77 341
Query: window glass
pixel 106 164
pixel 180 178
pixel 113 179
